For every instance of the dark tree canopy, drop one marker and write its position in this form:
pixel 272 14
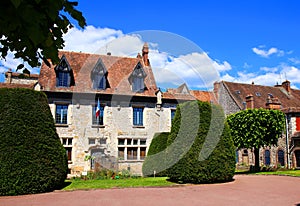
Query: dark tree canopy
pixel 33 29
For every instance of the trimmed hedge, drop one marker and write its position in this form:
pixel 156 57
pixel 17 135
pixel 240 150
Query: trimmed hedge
pixel 32 157
pixel 158 144
pixel 205 150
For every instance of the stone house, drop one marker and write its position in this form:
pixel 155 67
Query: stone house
pixel 234 97
pixel 108 108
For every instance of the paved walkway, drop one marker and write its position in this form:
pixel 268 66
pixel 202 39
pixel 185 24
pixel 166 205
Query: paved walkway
pixel 245 190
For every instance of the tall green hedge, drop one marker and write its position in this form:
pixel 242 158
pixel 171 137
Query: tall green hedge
pixel 158 144
pixel 32 157
pixel 201 144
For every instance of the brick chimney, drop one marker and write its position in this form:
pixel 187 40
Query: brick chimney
pixel 145 52
pixel 273 103
pixel 216 90
pixel 249 101
pixel 287 86
pixel 8 76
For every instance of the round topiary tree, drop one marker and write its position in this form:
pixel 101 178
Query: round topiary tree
pixel 32 157
pixel 158 144
pixel 206 153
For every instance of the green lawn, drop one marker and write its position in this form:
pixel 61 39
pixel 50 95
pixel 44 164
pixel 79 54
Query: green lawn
pixel 293 173
pixel 118 183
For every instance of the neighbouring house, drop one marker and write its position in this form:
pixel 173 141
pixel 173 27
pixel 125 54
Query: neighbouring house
pixel 20 80
pixel 234 97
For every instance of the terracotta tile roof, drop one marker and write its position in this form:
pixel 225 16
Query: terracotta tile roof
pixel 204 96
pixel 119 70
pixel 239 91
pixel 8 85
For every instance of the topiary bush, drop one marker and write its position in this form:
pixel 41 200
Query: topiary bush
pixel 158 144
pixel 205 150
pixel 32 157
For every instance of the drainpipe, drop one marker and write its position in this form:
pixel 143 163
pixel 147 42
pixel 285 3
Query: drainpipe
pixel 287 142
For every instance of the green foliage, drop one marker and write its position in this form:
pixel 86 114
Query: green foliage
pixel 33 29
pixel 32 158
pixel 205 150
pixel 256 127
pixel 158 144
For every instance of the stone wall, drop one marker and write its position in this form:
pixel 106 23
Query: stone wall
pixel 225 100
pixel 118 124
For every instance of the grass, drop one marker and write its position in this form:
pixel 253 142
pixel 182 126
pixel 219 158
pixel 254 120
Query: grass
pixel 293 173
pixel 119 183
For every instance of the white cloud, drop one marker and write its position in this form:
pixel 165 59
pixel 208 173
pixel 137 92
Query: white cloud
pixel 269 69
pixel 271 77
pixel 294 60
pixel 195 69
pixel 11 63
pixel 267 53
pixel 246 65
pixel 90 39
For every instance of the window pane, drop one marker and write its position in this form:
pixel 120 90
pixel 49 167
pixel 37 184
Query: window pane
pixel 99 81
pixel 121 153
pixel 128 141
pixel 92 141
pixel 69 153
pixel 121 141
pixel 142 153
pixel 63 79
pixel 61 114
pixel 102 141
pixel 281 157
pixel 132 153
pixel 267 157
pixel 138 116
pixel 138 84
pixel 142 142
pixel 98 120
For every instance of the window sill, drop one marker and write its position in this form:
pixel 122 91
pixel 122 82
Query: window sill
pixel 61 125
pixel 98 126
pixel 136 126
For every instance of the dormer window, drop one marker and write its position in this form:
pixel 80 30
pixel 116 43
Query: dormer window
pixel 99 74
pixel 63 73
pixel 137 79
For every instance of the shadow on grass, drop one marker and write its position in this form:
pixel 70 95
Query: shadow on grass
pixel 65 184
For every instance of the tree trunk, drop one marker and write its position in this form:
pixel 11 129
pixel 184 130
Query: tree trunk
pixel 256 155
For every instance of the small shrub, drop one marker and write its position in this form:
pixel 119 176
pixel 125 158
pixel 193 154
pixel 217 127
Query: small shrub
pixel 158 144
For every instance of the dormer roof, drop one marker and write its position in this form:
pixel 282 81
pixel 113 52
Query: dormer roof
pixel 119 69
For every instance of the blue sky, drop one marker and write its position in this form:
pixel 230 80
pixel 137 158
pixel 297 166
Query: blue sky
pixel 246 41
